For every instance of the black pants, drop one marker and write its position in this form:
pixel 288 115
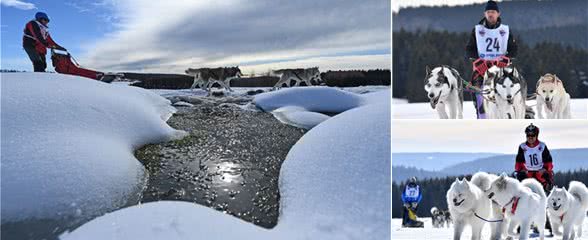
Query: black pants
pixel 39 61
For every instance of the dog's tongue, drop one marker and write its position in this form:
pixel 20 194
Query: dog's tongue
pixel 549 106
pixel 433 103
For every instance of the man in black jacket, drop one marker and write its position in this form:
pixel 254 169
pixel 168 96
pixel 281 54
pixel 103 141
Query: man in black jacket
pixel 490 40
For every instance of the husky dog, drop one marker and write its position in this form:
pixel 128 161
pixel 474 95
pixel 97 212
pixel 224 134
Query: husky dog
pixel 506 91
pixel 437 217
pixel 523 203
pixel 205 78
pixel 299 75
pixel 447 216
pixel 552 97
pixel 567 208
pixel 444 86
pixel 468 205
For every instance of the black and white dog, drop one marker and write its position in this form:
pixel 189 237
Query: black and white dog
pixel 505 93
pixel 444 88
pixel 440 218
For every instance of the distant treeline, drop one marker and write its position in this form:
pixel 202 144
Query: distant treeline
pixel 349 78
pixel 10 70
pixel 559 21
pixel 412 51
pixel 435 190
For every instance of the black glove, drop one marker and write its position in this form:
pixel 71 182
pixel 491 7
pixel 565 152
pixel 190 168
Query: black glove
pixel 521 175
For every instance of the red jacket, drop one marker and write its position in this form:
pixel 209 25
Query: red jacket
pixel 547 163
pixel 37 35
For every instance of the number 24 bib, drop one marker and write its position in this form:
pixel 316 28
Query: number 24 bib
pixel 492 43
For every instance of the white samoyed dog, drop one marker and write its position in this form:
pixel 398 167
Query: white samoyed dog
pixel 523 203
pixel 469 205
pixel 567 209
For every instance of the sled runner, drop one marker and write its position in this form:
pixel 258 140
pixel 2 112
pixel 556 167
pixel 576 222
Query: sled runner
pixel 66 64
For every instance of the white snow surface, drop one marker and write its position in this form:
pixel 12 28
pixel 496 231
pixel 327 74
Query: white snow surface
pixel 334 184
pixel 404 110
pixel 67 144
pixel 430 233
pixel 303 107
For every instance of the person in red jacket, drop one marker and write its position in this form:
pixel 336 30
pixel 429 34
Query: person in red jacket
pixel 36 40
pixel 534 160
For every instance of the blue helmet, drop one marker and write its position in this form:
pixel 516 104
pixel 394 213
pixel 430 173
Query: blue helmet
pixel 41 15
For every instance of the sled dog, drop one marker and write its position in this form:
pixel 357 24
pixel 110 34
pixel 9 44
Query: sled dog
pixel 444 87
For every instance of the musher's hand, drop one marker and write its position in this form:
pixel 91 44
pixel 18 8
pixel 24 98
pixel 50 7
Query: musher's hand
pixel 407 205
pixel 414 205
pixel 503 61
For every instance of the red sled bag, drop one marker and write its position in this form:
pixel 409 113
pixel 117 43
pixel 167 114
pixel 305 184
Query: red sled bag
pixel 63 64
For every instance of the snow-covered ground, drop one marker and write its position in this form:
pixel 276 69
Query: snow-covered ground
pixel 304 107
pixel 404 110
pixel 430 233
pixel 342 193
pixel 68 142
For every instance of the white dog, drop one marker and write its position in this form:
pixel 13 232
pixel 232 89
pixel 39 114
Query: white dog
pixel 507 89
pixel 523 203
pixel 469 205
pixel 444 88
pixel 567 208
pixel 552 98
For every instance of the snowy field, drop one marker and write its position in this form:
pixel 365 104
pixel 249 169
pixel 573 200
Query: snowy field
pixel 404 110
pixel 430 233
pixel 69 142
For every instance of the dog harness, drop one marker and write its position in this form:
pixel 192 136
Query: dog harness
pixel 561 217
pixel 515 203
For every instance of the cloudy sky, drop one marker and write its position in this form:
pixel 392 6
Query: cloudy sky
pixel 469 136
pixel 396 5
pixel 170 36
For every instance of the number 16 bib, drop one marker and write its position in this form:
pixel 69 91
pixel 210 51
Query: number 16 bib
pixel 533 156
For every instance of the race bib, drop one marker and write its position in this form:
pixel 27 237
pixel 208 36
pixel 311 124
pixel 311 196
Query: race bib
pixel 533 156
pixel 492 43
pixel 412 192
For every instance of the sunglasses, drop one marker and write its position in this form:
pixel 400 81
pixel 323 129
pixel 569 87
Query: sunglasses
pixel 531 136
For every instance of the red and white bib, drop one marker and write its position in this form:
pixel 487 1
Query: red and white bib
pixel 533 156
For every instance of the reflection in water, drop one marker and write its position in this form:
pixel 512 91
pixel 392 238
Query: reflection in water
pixel 230 162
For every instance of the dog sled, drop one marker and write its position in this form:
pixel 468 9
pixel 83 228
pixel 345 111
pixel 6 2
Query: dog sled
pixel 64 63
pixel 411 220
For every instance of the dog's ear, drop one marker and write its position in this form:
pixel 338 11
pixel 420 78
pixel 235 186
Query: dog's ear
pixel 564 188
pixel 428 70
pixel 503 175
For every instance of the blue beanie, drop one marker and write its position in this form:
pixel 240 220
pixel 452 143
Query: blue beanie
pixel 41 15
pixel 492 5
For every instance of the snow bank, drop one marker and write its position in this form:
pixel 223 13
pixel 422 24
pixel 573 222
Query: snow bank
pixel 67 144
pixel 315 99
pixel 334 184
pixel 303 107
pixel 299 117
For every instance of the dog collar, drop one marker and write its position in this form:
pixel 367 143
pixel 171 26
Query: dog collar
pixel 515 203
